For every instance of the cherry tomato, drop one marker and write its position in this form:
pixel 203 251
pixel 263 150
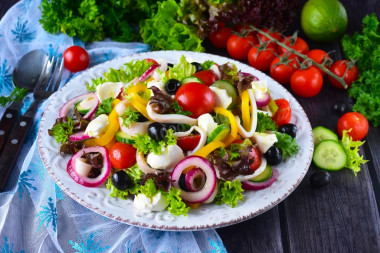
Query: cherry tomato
pixel 284 112
pixel 306 82
pixel 261 60
pixel 299 45
pixel 122 155
pixel 148 60
pixel 188 143
pixel 338 68
pixel 76 59
pixel 238 47
pixel 286 66
pixel 320 57
pixel 196 98
pixel 355 121
pixel 255 155
pixel 220 37
pixel 275 35
pixel 240 28
pixel 208 77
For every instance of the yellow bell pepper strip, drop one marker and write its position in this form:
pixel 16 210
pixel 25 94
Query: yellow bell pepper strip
pixel 206 150
pixel 230 139
pixel 141 108
pixel 193 205
pixel 109 132
pixel 231 118
pixel 110 144
pixel 245 110
pixel 133 93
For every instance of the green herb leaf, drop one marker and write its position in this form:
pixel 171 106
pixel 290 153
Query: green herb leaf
pixel 105 107
pixel 265 122
pixel 16 95
pixel 287 144
pixel 129 116
pixel 229 193
pixel 145 144
pixel 179 110
pixel 62 129
pixel 352 149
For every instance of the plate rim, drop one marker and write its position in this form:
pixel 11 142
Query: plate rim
pixel 166 227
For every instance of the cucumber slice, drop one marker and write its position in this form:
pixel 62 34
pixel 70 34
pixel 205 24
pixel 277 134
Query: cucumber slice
pixel 229 87
pixel 321 133
pixel 124 138
pixel 219 133
pixel 191 79
pixel 84 106
pixel 330 155
pixel 263 176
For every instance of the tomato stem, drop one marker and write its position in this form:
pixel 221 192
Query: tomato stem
pixel 320 66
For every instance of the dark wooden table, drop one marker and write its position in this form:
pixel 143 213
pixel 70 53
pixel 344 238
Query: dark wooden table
pixel 341 217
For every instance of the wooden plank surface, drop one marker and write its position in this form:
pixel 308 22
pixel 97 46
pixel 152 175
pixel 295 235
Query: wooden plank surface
pixel 341 217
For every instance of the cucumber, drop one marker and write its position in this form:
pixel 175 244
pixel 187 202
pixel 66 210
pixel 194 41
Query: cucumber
pixel 321 133
pixel 219 133
pixel 124 138
pixel 191 79
pixel 84 106
pixel 330 155
pixel 263 176
pixel 229 87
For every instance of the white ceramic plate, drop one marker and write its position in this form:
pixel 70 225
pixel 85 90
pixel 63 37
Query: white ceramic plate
pixel 206 216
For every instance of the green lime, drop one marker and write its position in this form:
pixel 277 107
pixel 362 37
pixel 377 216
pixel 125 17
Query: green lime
pixel 323 20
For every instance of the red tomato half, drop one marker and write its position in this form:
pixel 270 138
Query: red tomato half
pixel 76 59
pixel 122 155
pixel 196 98
pixel 299 45
pixel 148 60
pixel 255 155
pixel 261 60
pixel 338 68
pixel 355 121
pixel 188 143
pixel 306 82
pixel 220 37
pixel 208 77
pixel 283 114
pixel 238 47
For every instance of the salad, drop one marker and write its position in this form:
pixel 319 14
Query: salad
pixel 176 136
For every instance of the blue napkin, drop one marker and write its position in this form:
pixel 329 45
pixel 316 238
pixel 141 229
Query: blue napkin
pixel 35 214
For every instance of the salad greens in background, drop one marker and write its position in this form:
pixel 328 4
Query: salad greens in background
pixel 169 24
pixel 365 49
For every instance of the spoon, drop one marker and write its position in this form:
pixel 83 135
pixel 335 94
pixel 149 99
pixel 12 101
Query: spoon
pixel 26 73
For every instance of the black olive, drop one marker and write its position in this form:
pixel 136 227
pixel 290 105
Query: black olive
pixel 141 118
pixel 341 107
pixel 157 131
pixel 182 183
pixel 289 129
pixel 273 155
pixel 170 65
pixel 172 86
pixel 121 180
pixel 173 126
pixel 320 178
pixel 198 66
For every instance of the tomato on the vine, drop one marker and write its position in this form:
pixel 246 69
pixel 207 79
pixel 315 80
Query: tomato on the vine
pixel 196 98
pixel 220 36
pixel 122 155
pixel 354 121
pixel 188 143
pixel 281 69
pixel 277 36
pixel 321 57
pixel 238 47
pixel 284 112
pixel 306 82
pixel 208 77
pixel 255 155
pixel 261 58
pixel 339 68
pixel 76 59
pixel 298 44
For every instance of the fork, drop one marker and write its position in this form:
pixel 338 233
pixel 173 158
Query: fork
pixel 47 84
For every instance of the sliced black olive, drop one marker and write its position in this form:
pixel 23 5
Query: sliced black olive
pixel 170 65
pixel 172 86
pixel 141 118
pixel 182 183
pixel 121 180
pixel 173 126
pixel 157 131
pixel 273 155
pixel 198 66
pixel 320 178
pixel 289 129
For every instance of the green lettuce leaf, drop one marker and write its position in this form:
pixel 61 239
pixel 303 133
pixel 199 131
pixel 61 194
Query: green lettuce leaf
pixel 287 144
pixel 179 71
pixel 146 145
pixel 229 193
pixel 352 149
pixel 176 204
